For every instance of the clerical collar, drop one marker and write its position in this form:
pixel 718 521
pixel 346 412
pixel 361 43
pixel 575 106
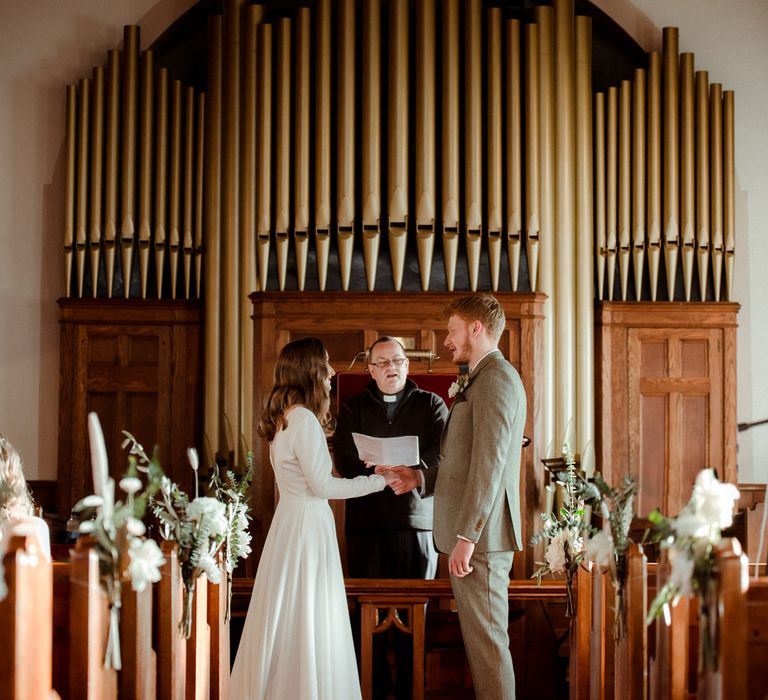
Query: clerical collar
pixel 390 398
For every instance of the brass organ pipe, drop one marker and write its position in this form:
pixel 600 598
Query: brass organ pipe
pixel 230 245
pixel 81 211
pixel 611 185
pixel 494 145
pixel 371 137
pixel 716 183
pixel 450 133
pixel 398 138
pixel 653 193
pixel 146 132
pixel 174 199
pixel 128 160
pixel 544 16
pixel 625 182
pixel 188 187
pixel 585 372
pixel 212 359
pixel 600 199
pixel 514 151
pixel 345 138
pixel 264 151
pixel 249 105
pixel 69 187
pixel 564 250
pixel 638 179
pixel 425 138
pixel 111 161
pixel 323 140
pixel 729 189
pixel 161 178
pixel 301 111
pixel 687 170
pixel 532 151
pixel 671 212
pixel 702 178
pixel 283 150
pixel 97 174
pixel 249 277
pixel 473 137
pixel 199 191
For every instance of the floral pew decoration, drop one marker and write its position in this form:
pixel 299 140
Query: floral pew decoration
pixel 690 541
pixel 117 528
pixel 607 548
pixel 564 532
pixel 205 528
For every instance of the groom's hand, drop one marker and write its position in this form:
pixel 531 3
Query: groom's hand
pixel 458 562
pixel 407 478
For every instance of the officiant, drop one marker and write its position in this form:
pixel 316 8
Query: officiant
pixel 390 536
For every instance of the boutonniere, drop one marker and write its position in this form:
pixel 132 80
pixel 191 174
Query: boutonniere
pixel 461 383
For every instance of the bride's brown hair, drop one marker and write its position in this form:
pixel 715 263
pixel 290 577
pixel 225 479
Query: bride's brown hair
pixel 300 374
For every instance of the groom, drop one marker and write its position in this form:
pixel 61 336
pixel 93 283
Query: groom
pixel 477 489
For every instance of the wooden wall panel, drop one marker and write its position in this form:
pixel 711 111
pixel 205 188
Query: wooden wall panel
pixel 349 322
pixel 666 407
pixel 138 365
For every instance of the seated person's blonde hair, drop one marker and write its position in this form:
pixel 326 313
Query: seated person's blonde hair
pixel 15 498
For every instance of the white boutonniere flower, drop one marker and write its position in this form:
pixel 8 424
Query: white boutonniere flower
pixel 461 383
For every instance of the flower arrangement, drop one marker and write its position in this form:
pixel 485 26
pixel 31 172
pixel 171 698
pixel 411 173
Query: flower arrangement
pixel 125 554
pixel 458 386
pixel 232 491
pixel 564 534
pixel 690 540
pixel 608 547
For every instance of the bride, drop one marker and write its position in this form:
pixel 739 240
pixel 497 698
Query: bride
pixel 297 640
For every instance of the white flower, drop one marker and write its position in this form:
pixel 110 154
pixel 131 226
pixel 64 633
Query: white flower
pixel 210 568
pixel 146 560
pixel 214 512
pixel 555 554
pixel 599 549
pixel 135 527
pixel 458 386
pixel 689 524
pixel 166 485
pixel 92 501
pixel 681 571
pixel 87 526
pixel 130 484
pixel 713 500
pixel 194 460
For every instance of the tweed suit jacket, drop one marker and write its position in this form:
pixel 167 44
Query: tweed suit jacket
pixel 477 483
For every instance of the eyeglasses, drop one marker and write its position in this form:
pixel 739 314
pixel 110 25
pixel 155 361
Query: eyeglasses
pixel 383 364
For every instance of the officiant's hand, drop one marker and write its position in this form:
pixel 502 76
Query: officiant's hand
pixel 458 562
pixel 407 478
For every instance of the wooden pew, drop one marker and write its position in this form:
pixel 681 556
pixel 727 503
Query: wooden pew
pixel 25 621
pixel 581 633
pixel 219 627
pixel 137 678
pixel 170 644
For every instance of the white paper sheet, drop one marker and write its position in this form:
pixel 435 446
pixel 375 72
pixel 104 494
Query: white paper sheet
pixel 389 451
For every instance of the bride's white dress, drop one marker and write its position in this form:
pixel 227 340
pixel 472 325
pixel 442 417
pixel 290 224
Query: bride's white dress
pixel 297 640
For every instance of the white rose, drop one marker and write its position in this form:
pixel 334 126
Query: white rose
pixel 135 526
pixel 689 524
pixel 713 499
pixel 599 549
pixel 146 560
pixel 130 484
pixel 213 510
pixel 555 554
pixel 210 568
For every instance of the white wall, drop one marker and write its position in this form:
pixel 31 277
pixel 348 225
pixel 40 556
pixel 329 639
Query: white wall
pixel 46 44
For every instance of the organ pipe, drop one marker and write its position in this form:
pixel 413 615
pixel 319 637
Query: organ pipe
pixel 494 145
pixel 146 131
pixel 653 191
pixel 532 151
pixel 473 137
pixel 188 187
pixel 450 133
pixel 671 236
pixel 110 166
pixel 345 139
pixel 729 190
pixel 128 159
pixel 625 183
pixel 174 199
pixel 600 198
pixel 702 178
pixel 514 160
pixel 301 156
pixel 323 140
pixel 283 151
pixel 81 211
pixel 371 137
pixel 97 175
pixel 687 170
pixel 69 186
pixel 716 183
pixel 161 177
pixel 425 138
pixel 264 151
pixel 611 185
pixel 638 179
